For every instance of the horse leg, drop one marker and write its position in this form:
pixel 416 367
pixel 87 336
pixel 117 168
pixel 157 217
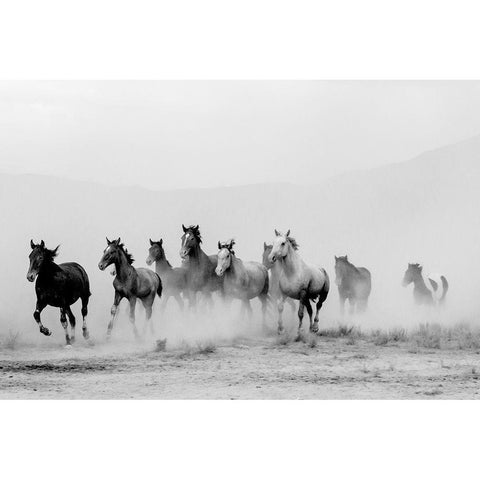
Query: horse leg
pixel 163 305
pixel 86 335
pixel 353 304
pixel 248 307
pixel 148 315
pixel 36 315
pixel 63 320
pixel 280 307
pixel 180 301
pixel 71 319
pixel 308 306
pixel 301 309
pixel 342 305
pixel 319 306
pixel 264 301
pixel 133 302
pixel 113 311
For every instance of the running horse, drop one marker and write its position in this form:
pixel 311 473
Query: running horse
pixel 274 269
pixel 427 290
pixel 174 279
pixel 242 280
pixel 354 284
pixel 201 276
pixel 58 285
pixel 130 283
pixel 298 280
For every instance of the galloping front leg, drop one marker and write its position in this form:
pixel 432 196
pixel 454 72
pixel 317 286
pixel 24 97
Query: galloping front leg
pixel 280 306
pixel 63 320
pixel 133 302
pixel 319 306
pixel 113 311
pixel 36 315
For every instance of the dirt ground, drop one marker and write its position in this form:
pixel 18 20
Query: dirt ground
pixel 269 367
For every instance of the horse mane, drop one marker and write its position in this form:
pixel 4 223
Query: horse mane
pixel 50 255
pixel 228 245
pixel 293 242
pixel 129 256
pixel 195 231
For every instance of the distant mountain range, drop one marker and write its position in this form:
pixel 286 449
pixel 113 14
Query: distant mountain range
pixel 424 209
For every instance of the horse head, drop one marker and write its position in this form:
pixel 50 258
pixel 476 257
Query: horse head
pixel 39 256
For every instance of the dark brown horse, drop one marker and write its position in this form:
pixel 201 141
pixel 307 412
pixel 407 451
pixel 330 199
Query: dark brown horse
pixel 354 284
pixel 58 286
pixel 174 279
pixel 130 283
pixel 201 276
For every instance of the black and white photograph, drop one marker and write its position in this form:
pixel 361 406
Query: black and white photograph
pixel 239 240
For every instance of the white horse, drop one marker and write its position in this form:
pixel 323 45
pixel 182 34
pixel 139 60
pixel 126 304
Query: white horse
pixel 242 280
pixel 298 280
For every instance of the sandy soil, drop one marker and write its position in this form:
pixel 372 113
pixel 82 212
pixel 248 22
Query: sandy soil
pixel 245 368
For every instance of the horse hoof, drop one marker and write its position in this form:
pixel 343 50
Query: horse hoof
pixel 45 331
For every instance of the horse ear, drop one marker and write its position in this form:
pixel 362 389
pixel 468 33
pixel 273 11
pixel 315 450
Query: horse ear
pixel 219 245
pixel 151 243
pixel 264 245
pixel 184 229
pixel 108 241
pixel 277 233
pixel 161 242
pixel 42 244
pixel 197 228
pixel 336 258
pixel 288 233
pixel 117 241
pixel 346 258
pixel 55 250
pixel 32 244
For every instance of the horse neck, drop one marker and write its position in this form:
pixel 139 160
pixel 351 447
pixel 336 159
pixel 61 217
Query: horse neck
pixel 292 261
pixel 198 255
pixel 349 273
pixel 236 267
pixel 162 265
pixel 122 267
pixel 419 283
pixel 48 268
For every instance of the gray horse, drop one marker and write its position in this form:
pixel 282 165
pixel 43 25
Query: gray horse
pixel 354 284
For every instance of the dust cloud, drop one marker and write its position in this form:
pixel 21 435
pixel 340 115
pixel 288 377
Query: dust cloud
pixel 418 211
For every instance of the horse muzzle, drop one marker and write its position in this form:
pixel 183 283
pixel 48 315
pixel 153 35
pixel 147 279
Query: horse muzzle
pixel 219 272
pixel 272 259
pixel 148 261
pixel 101 266
pixel 31 276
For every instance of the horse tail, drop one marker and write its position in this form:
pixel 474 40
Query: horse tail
pixel 160 286
pixel 445 288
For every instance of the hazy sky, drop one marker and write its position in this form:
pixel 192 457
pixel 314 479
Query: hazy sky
pixel 207 133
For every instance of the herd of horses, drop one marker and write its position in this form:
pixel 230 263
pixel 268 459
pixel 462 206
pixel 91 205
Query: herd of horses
pixel 282 277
